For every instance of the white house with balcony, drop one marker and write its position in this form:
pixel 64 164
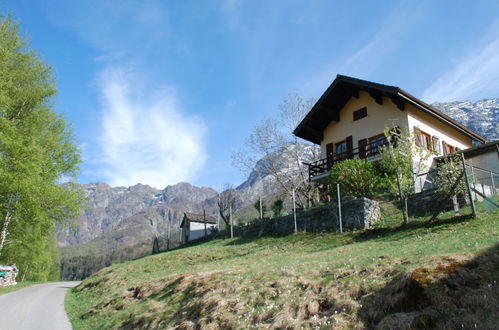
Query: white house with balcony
pixel 349 119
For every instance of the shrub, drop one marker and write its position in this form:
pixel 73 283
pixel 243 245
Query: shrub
pixel 277 207
pixel 448 172
pixel 356 177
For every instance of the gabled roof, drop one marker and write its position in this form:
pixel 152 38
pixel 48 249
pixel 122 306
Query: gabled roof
pixel 201 218
pixel 328 107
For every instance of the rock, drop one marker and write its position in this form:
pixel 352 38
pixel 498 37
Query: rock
pixel 8 274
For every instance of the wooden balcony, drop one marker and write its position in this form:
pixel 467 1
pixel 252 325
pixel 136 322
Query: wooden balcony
pixel 318 170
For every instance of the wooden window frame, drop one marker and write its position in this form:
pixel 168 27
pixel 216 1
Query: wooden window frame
pixel 423 139
pixel 447 148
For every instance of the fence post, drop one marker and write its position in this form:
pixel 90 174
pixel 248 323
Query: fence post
pixel 339 207
pixel 472 202
pixel 472 177
pixel 492 184
pixel 294 211
pixel 205 231
pixel 230 220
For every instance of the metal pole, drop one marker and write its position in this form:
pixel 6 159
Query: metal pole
pixel 472 202
pixel 205 231
pixel 230 220
pixel 492 184
pixel 339 207
pixel 168 234
pixel 294 210
pixel 472 177
pixel 261 210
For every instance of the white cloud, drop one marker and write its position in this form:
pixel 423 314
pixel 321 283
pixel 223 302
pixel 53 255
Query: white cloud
pixel 146 137
pixel 374 53
pixel 471 76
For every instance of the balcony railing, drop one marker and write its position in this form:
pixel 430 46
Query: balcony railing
pixel 324 165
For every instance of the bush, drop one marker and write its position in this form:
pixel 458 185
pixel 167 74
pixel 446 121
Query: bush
pixel 356 177
pixel 277 207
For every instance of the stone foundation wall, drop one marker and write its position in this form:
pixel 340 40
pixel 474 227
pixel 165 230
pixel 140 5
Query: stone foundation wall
pixel 358 213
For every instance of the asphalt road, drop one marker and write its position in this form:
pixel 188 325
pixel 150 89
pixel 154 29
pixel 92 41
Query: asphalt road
pixel 39 306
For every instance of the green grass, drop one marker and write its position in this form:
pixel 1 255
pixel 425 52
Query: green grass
pixel 20 285
pixel 356 279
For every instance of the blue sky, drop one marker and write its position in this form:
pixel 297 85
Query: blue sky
pixel 164 91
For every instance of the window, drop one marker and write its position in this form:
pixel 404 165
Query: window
pixel 423 139
pixel 447 148
pixel 341 147
pixel 375 142
pixel 359 114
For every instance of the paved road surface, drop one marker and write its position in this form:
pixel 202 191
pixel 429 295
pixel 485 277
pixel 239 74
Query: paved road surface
pixel 39 306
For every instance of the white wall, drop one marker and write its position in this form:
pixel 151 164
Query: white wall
pixel 197 230
pixel 378 118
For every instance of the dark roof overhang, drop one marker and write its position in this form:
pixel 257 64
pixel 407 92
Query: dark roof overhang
pixel 329 105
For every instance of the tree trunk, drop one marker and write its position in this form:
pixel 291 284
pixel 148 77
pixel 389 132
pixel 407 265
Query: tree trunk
pixel 455 204
pixel 403 200
pixel 3 235
pixel 405 211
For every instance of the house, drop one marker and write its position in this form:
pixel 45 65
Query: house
pixel 196 226
pixel 349 119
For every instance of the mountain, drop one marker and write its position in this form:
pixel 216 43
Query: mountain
pixel 119 209
pixel 481 116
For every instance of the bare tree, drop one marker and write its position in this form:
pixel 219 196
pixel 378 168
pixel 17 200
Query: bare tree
pixel 226 203
pixel 272 150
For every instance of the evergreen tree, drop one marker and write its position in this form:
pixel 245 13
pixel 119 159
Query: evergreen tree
pixel 37 149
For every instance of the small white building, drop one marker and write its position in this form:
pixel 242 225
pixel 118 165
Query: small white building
pixel 196 226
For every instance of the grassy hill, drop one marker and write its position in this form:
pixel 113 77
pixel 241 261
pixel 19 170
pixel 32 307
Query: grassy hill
pixel 444 275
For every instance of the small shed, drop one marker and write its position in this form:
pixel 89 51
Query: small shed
pixel 195 226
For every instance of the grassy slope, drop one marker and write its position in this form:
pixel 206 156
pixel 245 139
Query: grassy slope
pixel 442 275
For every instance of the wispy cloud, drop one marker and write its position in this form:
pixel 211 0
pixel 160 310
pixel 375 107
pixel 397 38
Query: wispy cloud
pixel 375 51
pixel 471 76
pixel 146 137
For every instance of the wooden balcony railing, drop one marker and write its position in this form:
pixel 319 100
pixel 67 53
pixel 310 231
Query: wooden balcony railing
pixel 324 165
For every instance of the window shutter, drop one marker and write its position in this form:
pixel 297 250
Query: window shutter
pixel 435 141
pixel 349 141
pixel 329 155
pixel 417 136
pixel 362 148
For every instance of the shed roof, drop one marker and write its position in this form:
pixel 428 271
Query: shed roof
pixel 201 218
pixel 328 107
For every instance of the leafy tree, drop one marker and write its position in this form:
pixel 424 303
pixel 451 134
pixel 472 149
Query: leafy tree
pixel 277 207
pixel 450 179
pixel 356 177
pixel 37 149
pixel 402 159
pixel 449 171
pixel 257 207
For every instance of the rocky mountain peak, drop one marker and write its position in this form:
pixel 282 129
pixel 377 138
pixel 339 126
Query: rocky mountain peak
pixel 481 116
